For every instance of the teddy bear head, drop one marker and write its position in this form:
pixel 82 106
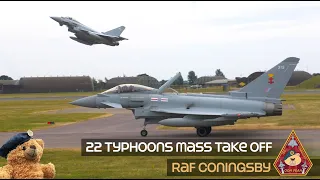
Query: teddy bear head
pixel 21 148
pixel 31 150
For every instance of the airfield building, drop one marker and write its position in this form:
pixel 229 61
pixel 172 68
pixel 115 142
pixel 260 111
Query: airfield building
pixel 56 84
pixel 9 86
pixel 298 77
pixel 222 82
pixel 204 79
pixel 254 76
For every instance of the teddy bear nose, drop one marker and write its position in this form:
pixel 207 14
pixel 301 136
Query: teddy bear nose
pixel 33 147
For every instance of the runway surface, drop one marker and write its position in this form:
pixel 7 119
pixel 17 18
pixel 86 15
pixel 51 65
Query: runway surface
pixel 78 97
pixel 122 125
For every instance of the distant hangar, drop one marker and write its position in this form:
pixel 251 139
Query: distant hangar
pixel 69 84
pixel 9 86
pixel 85 83
pixel 47 84
pixel 56 84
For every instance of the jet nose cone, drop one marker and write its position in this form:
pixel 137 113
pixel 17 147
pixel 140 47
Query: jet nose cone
pixel 54 18
pixel 86 102
pixel 58 19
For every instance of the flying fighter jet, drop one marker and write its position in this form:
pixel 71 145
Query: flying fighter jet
pixel 259 98
pixel 88 36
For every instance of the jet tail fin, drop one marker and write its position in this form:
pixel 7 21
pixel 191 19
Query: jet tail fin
pixel 116 32
pixel 271 84
pixel 168 83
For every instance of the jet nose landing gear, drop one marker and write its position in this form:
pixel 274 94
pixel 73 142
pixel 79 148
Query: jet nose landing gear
pixel 144 133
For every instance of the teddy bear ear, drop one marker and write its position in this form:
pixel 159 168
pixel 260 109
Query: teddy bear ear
pixel 40 142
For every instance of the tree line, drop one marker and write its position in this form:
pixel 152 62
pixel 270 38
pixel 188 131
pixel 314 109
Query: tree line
pixel 101 84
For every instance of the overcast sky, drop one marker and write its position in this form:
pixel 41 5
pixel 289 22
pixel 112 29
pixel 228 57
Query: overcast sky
pixel 164 38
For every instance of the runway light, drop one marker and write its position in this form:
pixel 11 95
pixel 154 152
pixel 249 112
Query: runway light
pixel 50 122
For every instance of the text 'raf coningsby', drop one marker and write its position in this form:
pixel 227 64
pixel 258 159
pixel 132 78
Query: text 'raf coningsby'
pixel 220 167
pixel 156 147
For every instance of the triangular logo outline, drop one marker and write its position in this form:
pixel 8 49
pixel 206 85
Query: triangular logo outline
pixel 287 162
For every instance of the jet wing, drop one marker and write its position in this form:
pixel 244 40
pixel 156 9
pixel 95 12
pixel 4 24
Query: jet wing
pixel 208 112
pixel 114 38
pixel 109 37
pixel 82 32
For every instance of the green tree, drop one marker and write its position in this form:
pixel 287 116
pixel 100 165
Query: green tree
pixel 142 75
pixel 5 77
pixel 219 73
pixel 100 84
pixel 95 83
pixel 192 77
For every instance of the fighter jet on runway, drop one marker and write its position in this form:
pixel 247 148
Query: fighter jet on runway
pixel 260 98
pixel 88 36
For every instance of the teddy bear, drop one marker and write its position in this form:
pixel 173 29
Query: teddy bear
pixel 23 154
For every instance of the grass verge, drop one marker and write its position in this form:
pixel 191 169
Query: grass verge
pixel 57 94
pixel 311 83
pixel 24 115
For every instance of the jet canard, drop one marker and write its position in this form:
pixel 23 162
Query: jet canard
pixel 88 36
pixel 259 98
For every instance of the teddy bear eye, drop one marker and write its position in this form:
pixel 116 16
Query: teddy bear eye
pixel 23 148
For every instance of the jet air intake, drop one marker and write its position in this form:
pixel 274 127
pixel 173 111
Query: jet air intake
pixel 272 109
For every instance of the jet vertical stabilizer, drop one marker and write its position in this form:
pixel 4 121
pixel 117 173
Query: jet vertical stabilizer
pixel 271 84
pixel 115 32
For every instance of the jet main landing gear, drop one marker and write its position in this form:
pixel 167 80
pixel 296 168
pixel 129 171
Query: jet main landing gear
pixel 144 132
pixel 203 131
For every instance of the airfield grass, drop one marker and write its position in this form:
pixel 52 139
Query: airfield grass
pixel 71 165
pixel 305 115
pixel 55 94
pixel 310 83
pixel 24 115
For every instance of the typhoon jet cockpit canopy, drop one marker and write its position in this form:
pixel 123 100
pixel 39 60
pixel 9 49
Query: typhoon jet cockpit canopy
pixel 128 88
pixel 70 18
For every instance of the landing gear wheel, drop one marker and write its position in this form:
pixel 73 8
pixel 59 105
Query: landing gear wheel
pixel 144 133
pixel 209 130
pixel 203 131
